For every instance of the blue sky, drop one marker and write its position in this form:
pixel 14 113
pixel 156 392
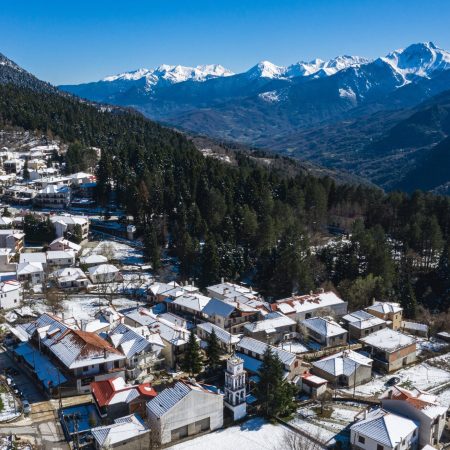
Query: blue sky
pixel 69 41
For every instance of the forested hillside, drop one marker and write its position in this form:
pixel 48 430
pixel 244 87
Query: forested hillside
pixel 249 221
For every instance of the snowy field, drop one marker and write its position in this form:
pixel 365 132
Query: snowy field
pixel 294 347
pixel 123 253
pixel 255 434
pixel 429 375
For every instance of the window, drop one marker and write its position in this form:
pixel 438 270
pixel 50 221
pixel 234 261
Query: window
pixel 361 439
pixel 380 447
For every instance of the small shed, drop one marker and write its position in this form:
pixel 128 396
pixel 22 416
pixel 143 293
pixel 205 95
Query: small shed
pixel 313 385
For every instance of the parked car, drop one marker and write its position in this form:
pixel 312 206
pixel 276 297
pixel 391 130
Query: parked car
pixel 393 381
pixel 26 407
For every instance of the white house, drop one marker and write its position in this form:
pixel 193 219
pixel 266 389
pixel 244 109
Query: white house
pixel 382 430
pixel 10 294
pixel 61 244
pixel 104 273
pixel 66 224
pixel 184 410
pixel 58 258
pixel 32 272
pixel 420 406
pixel 70 278
pixel 93 260
pixel 53 196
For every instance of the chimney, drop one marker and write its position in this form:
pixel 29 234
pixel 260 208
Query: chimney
pixel 222 280
pixel 390 393
pixel 365 413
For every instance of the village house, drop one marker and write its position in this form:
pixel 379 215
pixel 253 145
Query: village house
pixel 155 293
pixel 53 196
pixel 36 257
pixel 186 409
pixel 390 312
pixel 361 323
pixel 18 195
pixel 80 356
pixel 252 352
pixel 114 398
pixel 274 328
pixel 70 278
pixel 129 432
pixel 30 272
pixel 232 291
pixel 60 258
pixel 383 430
pixel 232 316
pixel 65 225
pixel 93 260
pixel 227 341
pixel 389 349
pixel 418 329
pixel 104 273
pixel 10 294
pixel 12 239
pixel 141 348
pixel 344 369
pixel 325 331
pixel 191 305
pixel 62 244
pixel 313 385
pixel 419 406
pixel 7 263
pixel 301 307
pixel 174 335
pixel 5 222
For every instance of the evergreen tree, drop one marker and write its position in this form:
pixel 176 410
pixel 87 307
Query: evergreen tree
pixel 443 276
pixel 152 249
pixel 213 350
pixel 210 267
pixel 192 362
pixel 26 172
pixel 275 395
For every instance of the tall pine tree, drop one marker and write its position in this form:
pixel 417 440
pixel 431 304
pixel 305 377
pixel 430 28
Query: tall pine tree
pixel 192 362
pixel 213 350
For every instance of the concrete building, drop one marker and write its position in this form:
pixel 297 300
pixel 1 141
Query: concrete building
pixel 186 409
pixel 62 244
pixel 226 340
pixel 325 331
pixel 231 291
pixel 10 294
pixel 53 196
pixel 392 313
pixel 12 239
pixel 419 406
pixel 361 323
pixel 389 349
pixel 30 272
pixel 382 430
pixel 344 369
pixel 104 273
pixel 65 225
pixel 71 278
pixel 60 258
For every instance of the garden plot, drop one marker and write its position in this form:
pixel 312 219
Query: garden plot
pixel 428 375
pixel 118 251
pixel 9 407
pixel 329 424
pixel 254 434
pixel 294 347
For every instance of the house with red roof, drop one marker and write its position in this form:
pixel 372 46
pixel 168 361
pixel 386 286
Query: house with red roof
pixel 114 398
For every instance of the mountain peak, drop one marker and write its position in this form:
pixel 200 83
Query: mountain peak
pixel 265 69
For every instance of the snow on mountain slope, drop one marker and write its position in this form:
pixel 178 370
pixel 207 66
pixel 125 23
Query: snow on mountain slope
pixel 418 60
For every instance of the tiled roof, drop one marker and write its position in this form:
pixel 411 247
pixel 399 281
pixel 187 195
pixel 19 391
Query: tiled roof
pixel 324 326
pixel 217 307
pixel 385 307
pixel 168 398
pixel 304 303
pixel 259 348
pixel 342 363
pixel 362 319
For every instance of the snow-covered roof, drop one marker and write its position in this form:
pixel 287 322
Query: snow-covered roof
pixel 69 220
pixel 54 189
pixel 362 319
pixel 232 290
pixel 384 427
pixel 123 429
pixel 94 259
pixel 159 288
pixel 388 340
pixel 305 303
pixel 414 326
pixel 271 322
pixel 195 302
pixel 27 268
pixel 342 363
pixel 69 273
pixel 222 335
pixel 170 396
pixel 60 254
pixel 40 257
pixel 323 326
pixel 259 348
pixel 131 343
pixel 102 269
pixel 66 243
pixel 9 286
pixel 385 307
pixel 218 307
pixel 421 400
